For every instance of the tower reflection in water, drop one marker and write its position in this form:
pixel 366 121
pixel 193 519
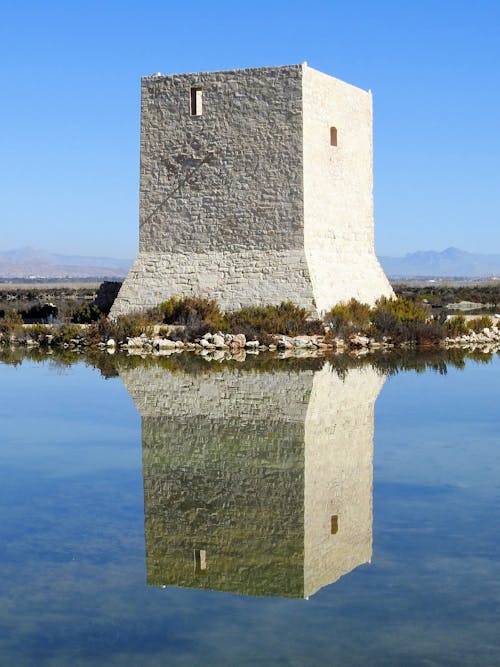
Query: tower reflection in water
pixel 257 483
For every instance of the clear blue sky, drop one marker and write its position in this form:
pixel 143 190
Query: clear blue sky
pixel 69 112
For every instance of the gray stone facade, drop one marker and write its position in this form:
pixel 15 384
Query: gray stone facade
pixel 244 199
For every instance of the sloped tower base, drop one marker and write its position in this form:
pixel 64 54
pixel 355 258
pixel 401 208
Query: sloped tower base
pixel 251 278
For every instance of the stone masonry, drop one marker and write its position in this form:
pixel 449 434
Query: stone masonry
pixel 256 188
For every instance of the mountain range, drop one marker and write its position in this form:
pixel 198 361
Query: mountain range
pixel 30 262
pixel 449 263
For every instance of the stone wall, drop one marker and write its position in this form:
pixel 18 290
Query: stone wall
pixel 221 193
pixel 338 193
pixel 248 203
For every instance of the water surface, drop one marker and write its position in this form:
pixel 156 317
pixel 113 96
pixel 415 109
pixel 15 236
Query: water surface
pixel 282 514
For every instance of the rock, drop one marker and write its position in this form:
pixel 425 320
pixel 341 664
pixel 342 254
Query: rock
pixel 110 342
pixel 219 341
pixel 359 341
pixel 239 340
pixel 252 344
pixel 208 337
pixel 204 342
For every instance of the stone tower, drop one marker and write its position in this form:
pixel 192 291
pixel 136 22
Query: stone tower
pixel 256 188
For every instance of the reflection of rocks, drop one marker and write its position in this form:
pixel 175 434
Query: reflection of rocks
pixel 256 483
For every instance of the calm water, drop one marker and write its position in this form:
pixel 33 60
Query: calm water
pixel 280 515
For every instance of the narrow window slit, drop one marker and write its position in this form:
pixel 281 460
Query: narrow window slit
pixel 334 524
pixel 196 101
pixel 333 136
pixel 200 561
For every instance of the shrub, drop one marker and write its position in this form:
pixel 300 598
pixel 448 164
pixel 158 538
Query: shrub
pixel 85 314
pixel 477 324
pixel 404 310
pixel 456 326
pixel 39 333
pixel 425 334
pixel 12 323
pixel 192 312
pixel 99 331
pixel 124 326
pixel 64 333
pixel 261 321
pixel 344 317
pixel 387 324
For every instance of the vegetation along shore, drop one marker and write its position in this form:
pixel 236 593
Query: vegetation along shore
pixel 415 319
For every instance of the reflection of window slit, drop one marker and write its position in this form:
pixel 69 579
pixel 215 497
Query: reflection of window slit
pixel 333 136
pixel 200 561
pixel 334 524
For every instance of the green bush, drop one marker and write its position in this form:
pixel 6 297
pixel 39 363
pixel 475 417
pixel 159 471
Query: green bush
pixel 85 314
pixel 343 318
pixel 192 312
pixel 12 323
pixel 124 326
pixel 425 334
pixel 39 333
pixel 261 321
pixel 456 326
pixel 404 310
pixel 64 333
pixel 477 324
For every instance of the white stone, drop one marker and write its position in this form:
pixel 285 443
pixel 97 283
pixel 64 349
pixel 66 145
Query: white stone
pixel 219 341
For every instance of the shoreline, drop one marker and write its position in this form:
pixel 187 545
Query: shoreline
pixel 165 341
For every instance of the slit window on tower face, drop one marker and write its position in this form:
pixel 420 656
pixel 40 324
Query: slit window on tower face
pixel 333 136
pixel 334 524
pixel 196 101
pixel 200 561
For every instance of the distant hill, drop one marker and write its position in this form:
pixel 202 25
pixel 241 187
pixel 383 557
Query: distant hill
pixel 450 263
pixel 34 263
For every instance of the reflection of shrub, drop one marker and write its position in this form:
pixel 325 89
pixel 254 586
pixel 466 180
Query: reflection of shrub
pixel 86 313
pixel 343 318
pixel 477 324
pixel 456 326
